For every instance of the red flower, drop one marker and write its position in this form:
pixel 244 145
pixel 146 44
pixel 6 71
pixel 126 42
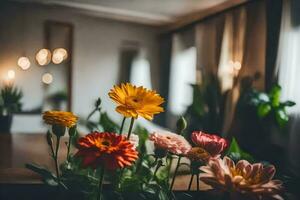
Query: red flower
pixel 105 149
pixel 213 144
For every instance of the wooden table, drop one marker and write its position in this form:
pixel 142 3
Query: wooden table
pixel 18 149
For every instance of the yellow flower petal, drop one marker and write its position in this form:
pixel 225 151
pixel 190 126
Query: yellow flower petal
pixel 135 101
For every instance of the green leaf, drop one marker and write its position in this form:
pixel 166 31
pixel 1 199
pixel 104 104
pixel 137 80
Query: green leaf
pixel 282 117
pixel 72 130
pixel 275 95
pixel 236 153
pixel 92 126
pixel 107 124
pixel 131 184
pixel 288 103
pixel 263 110
pixel 263 97
pixel 234 147
pixel 162 195
pixel 48 177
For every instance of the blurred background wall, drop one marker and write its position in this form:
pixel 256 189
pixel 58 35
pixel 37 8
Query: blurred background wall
pixel 97 47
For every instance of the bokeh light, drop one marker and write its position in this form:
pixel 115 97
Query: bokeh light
pixel 43 57
pixel 59 55
pixel 47 78
pixel 11 74
pixel 24 63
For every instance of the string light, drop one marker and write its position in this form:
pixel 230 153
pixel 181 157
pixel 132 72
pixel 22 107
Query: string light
pixel 47 78
pixel 43 57
pixel 11 74
pixel 24 63
pixel 59 55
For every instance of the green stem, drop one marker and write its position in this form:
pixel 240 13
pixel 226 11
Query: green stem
pixel 91 114
pixel 191 181
pixel 130 128
pixel 99 196
pixel 52 151
pixel 69 148
pixel 56 159
pixel 175 173
pixel 122 125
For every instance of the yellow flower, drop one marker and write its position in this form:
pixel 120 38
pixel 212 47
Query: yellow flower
pixel 62 118
pixel 136 101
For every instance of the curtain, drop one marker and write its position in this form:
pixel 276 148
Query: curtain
pixel 208 39
pixel 232 54
pixel 288 70
pixel 274 10
pixel 246 43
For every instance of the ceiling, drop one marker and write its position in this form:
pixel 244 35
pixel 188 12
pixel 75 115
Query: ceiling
pixel 152 12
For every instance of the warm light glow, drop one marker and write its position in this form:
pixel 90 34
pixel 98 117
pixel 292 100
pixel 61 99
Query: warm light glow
pixel 237 65
pixel 59 55
pixel 24 63
pixel 43 57
pixel 11 74
pixel 47 78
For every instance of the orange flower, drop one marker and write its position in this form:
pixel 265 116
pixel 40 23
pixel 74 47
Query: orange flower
pixel 62 118
pixel 105 149
pixel 198 154
pixel 136 101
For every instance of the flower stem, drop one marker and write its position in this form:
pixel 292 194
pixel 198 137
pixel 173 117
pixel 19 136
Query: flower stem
pixel 56 159
pixel 175 173
pixel 91 114
pixel 130 128
pixel 157 167
pixel 99 196
pixel 191 181
pixel 69 148
pixel 122 125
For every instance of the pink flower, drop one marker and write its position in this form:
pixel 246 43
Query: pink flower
pixel 251 181
pixel 171 142
pixel 213 144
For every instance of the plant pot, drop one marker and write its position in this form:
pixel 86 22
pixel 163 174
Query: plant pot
pixel 5 124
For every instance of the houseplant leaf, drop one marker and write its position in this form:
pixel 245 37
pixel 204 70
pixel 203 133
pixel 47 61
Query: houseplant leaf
pixel 275 95
pixel 263 110
pixel 281 116
pixel 48 177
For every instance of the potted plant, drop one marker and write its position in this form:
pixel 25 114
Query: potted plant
pixel 10 102
pixel 263 115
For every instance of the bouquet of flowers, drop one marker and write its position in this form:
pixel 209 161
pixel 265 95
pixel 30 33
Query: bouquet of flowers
pixel 114 157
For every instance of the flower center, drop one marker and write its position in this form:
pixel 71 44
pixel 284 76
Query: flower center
pixel 105 143
pixel 132 101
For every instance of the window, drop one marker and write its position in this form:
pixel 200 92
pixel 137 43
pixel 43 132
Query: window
pixel 183 74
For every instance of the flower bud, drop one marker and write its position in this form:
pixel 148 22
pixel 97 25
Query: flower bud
pixel 181 125
pixel 160 153
pixel 98 103
pixel 72 131
pixel 49 138
pixel 58 130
